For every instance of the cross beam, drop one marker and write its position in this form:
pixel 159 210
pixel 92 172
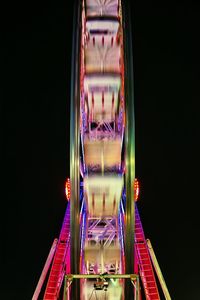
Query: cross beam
pixel 134 278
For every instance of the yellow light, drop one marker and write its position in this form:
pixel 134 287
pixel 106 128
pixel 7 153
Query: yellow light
pixel 67 189
pixel 136 189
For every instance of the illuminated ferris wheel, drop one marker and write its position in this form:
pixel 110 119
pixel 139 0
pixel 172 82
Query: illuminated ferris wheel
pixel 101 252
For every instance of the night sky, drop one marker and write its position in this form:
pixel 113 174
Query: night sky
pixel 35 137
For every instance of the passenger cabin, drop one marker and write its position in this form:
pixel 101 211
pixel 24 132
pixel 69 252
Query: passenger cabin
pixel 102 59
pixel 110 256
pixel 102 148
pixel 102 50
pixel 102 8
pixel 102 97
pixel 103 154
pixel 103 194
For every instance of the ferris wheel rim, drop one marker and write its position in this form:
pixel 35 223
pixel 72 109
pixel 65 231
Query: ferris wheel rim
pixel 75 143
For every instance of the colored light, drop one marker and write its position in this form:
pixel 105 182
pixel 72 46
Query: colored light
pixel 136 189
pixel 67 189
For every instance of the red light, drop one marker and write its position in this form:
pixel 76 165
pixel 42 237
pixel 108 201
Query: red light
pixel 136 189
pixel 67 189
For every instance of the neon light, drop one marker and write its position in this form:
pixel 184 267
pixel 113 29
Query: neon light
pixel 136 189
pixel 67 189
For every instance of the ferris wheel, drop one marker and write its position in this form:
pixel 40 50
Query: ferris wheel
pixel 101 252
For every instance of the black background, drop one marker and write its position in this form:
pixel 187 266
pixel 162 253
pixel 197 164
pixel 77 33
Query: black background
pixel 35 138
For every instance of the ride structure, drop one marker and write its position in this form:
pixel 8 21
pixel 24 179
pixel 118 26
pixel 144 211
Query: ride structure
pixel 102 252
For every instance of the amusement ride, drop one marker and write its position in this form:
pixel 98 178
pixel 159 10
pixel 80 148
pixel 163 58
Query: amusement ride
pixel 102 252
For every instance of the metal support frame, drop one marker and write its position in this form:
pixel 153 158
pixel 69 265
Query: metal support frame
pixel 129 147
pixel 158 271
pixel 45 270
pixel 102 231
pixel 109 233
pixel 108 131
pixel 134 280
pixel 106 229
pixel 75 149
pixel 121 237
